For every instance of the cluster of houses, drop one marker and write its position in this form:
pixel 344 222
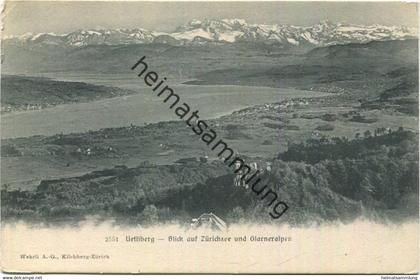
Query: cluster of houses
pixel 329 88
pixel 88 151
pixel 295 102
pixel 23 107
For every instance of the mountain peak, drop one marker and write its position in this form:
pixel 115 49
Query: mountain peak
pixel 202 31
pixel 235 21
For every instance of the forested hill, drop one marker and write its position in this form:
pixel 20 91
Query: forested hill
pixel 322 181
pixel 315 150
pixel 30 93
pixel 378 170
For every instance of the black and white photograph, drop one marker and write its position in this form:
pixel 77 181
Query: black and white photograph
pixel 277 137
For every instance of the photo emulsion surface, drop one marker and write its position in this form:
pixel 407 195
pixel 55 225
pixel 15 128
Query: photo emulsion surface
pixel 209 137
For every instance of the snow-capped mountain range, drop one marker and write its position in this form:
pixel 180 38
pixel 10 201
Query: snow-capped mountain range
pixel 227 31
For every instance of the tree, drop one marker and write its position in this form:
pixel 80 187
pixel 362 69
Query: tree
pixel 150 214
pixel 236 215
pixel 367 134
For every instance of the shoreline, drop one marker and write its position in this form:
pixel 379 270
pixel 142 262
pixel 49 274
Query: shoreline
pixel 75 108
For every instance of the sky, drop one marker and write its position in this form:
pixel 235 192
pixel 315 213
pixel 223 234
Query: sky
pixel 63 17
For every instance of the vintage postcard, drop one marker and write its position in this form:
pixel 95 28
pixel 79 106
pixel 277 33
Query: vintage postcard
pixel 209 137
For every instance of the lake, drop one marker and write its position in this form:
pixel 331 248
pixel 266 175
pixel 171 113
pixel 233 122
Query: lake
pixel 138 109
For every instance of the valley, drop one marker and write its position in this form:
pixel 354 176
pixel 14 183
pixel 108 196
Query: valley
pixel 123 154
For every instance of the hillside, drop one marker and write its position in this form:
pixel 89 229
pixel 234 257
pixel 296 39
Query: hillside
pixel 376 49
pixel 354 162
pixel 241 63
pixel 32 93
pixel 340 65
pixel 182 62
pixel 380 183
